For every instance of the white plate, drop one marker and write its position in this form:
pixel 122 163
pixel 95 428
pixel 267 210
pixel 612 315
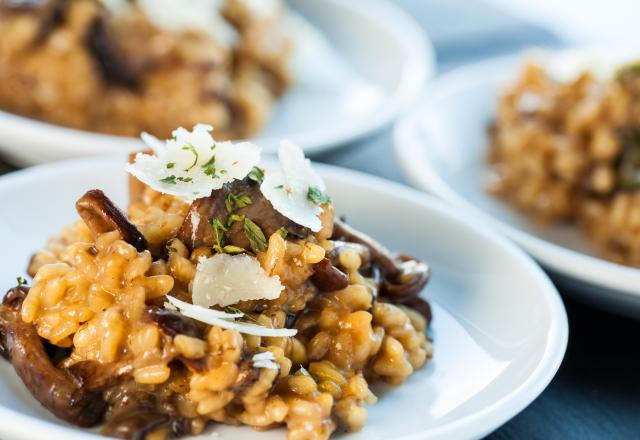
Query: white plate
pixel 442 148
pixel 500 328
pixel 359 63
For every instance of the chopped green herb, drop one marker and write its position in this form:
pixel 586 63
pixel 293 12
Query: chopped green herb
pixel 171 165
pixel 282 232
pixel 192 149
pixel 257 175
pixel 169 179
pixel 210 167
pixel 228 203
pixel 245 316
pixel 233 202
pixel 231 249
pixel 316 196
pixel 234 218
pixel 255 236
pixel 279 186
pixel 185 179
pixel 21 281
pixel 218 234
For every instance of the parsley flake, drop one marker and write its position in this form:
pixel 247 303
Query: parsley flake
pixel 316 196
pixel 192 149
pixel 210 167
pixel 255 236
pixel 171 165
pixel 257 175
pixel 171 180
pixel 21 281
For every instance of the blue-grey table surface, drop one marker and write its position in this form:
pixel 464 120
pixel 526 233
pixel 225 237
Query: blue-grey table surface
pixel 596 393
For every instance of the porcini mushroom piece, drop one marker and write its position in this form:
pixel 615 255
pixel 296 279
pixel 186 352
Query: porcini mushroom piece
pixel 101 215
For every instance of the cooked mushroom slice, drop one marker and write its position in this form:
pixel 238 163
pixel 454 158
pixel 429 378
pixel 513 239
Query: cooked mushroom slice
pixel 136 413
pixel 101 215
pixel 339 247
pixel 403 277
pixel 111 61
pixel 57 389
pixel 329 278
pixel 173 323
pixel 407 283
pixel 245 200
pixel 379 254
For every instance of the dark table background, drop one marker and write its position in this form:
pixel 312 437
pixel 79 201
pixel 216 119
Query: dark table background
pixel 596 393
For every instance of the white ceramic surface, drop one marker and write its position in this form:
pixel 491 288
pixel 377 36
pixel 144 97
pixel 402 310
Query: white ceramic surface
pixel 499 326
pixel 357 63
pixel 442 149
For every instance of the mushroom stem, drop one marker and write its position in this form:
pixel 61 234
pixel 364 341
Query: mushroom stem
pixel 101 215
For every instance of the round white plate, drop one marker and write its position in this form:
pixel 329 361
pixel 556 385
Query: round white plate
pixel 358 63
pixel 499 326
pixel 442 148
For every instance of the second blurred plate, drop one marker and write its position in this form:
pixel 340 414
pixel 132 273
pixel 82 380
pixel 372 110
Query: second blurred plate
pixel 442 149
pixel 361 62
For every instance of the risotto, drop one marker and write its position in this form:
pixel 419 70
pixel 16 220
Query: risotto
pixel 251 305
pixel 144 65
pixel 569 151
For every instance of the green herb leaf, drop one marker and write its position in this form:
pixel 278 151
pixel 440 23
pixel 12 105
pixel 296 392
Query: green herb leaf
pixel 279 186
pixel 192 149
pixel 316 196
pixel 257 175
pixel 242 201
pixel 210 167
pixel 234 218
pixel 228 203
pixel 21 281
pixel 171 180
pixel 185 179
pixel 171 165
pixel 255 236
pixel 218 234
pixel 282 232
pixel 231 249
pixel 233 202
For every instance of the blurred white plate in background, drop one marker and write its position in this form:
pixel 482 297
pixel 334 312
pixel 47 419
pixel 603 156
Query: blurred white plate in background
pixel 358 64
pixel 442 149
pixel 500 329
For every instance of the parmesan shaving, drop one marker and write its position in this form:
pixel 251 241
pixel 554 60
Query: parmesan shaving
pixel 224 279
pixel 212 317
pixel 288 188
pixel 266 359
pixel 192 163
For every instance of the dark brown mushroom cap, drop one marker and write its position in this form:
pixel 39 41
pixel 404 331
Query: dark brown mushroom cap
pixel 56 389
pixel 196 231
pixel 403 277
pixel 329 278
pixel 404 286
pixel 110 60
pixel 101 215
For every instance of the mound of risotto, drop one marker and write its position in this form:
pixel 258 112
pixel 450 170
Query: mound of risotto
pixel 228 294
pixel 569 151
pixel 123 67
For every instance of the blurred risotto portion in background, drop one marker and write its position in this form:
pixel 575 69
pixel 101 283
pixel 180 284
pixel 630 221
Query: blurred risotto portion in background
pixel 570 151
pixel 122 67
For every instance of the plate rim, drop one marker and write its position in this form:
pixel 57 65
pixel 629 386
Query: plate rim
pixel 476 424
pixel 419 66
pixel 416 166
